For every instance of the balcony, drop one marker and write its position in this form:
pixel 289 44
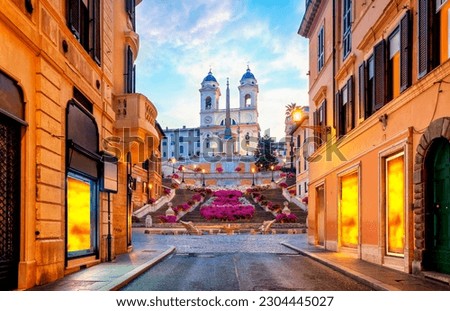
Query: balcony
pixel 135 111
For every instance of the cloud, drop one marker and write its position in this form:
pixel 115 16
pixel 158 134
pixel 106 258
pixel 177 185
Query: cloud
pixel 181 40
pixel 271 107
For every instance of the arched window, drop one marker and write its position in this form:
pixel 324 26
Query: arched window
pixel 208 102
pixel 233 122
pixel 248 100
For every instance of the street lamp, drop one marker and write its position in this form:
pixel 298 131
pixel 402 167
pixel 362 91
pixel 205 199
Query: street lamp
pixel 182 171
pixel 203 177
pixel 271 168
pixel 173 165
pixel 298 116
pixel 149 190
pixel 253 172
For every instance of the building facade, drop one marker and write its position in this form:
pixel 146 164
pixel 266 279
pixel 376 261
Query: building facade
pixel 65 68
pixel 379 86
pixel 210 138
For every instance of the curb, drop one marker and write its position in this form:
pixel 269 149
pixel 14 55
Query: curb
pixel 133 274
pixel 366 280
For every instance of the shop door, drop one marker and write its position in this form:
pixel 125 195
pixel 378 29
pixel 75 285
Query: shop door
pixel 320 207
pixel 10 135
pixel 440 246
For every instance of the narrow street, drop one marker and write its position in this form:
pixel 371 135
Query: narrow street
pixel 236 263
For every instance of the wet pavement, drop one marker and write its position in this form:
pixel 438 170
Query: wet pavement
pixel 150 250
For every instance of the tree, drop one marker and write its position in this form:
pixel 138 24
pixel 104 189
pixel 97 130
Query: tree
pixel 264 154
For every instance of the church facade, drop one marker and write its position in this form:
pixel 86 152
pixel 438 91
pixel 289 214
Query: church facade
pixel 222 131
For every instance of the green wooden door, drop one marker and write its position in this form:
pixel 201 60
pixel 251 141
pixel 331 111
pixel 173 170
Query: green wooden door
pixel 441 209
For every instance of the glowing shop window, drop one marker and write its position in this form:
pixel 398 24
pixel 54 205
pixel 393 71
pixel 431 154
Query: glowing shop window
pixel 79 215
pixel 395 204
pixel 349 210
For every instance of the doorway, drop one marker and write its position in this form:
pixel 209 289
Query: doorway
pixel 10 136
pixel 437 213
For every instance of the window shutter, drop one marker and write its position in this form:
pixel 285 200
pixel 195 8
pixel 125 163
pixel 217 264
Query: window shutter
pixel 423 40
pixel 130 8
pixel 74 17
pixel 316 123
pixel 405 51
pixel 379 53
pixel 97 43
pixel 362 90
pixel 129 71
pixel 133 89
pixel 337 113
pixel 351 104
pixel 324 118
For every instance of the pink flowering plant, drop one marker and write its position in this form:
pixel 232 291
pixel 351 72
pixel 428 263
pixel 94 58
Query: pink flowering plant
pixel 219 170
pixel 175 176
pixel 168 219
pixel 227 206
pixel 197 197
pixel 238 169
pixel 167 191
pixel 181 208
pixel 283 218
pixel 283 185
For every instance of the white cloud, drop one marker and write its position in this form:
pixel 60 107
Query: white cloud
pixel 184 39
pixel 271 107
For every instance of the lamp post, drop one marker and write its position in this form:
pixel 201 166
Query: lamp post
pixel 203 177
pixel 253 172
pixel 182 172
pixel 173 165
pixel 271 168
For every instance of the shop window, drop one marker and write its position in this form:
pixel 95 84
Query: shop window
pixel 81 215
pixel 349 210
pixel 84 22
pixel 395 205
pixel 83 161
pixel 433 29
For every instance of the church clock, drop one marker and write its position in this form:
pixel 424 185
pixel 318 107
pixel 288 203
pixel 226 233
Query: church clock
pixel 207 120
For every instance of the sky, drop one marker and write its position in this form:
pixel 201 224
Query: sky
pixel 180 40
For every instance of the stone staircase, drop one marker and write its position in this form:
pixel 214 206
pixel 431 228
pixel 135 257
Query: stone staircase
pixel 258 218
pixel 245 226
pixel 181 196
pixel 276 196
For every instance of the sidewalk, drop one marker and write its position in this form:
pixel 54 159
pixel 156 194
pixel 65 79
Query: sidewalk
pixel 372 275
pixel 113 275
